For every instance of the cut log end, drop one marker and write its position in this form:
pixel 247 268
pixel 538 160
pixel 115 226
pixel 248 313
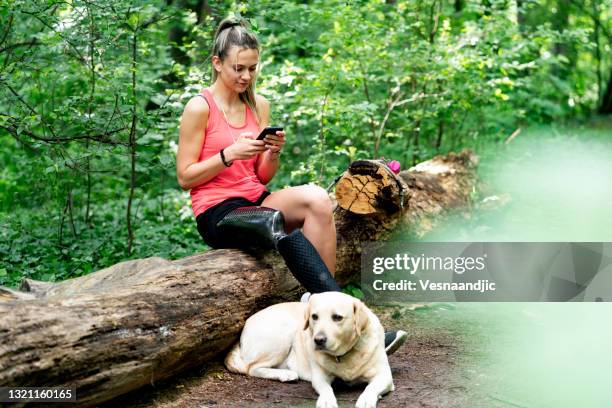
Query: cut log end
pixel 370 187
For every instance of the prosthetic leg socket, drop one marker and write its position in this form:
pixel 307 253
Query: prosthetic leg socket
pixel 265 227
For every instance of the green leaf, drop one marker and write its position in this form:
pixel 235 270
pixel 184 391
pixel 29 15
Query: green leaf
pixel 358 293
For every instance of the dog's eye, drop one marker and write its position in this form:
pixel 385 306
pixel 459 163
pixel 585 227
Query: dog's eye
pixel 315 316
pixel 336 318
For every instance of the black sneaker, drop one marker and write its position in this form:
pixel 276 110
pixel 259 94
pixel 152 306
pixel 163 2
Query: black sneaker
pixel 394 340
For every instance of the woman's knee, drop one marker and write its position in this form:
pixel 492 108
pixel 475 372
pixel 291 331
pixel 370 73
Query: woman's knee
pixel 319 202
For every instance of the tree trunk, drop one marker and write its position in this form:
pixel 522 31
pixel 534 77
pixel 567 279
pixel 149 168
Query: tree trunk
pixel 142 321
pixel 605 108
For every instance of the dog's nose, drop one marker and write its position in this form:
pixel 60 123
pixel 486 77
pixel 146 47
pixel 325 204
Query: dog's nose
pixel 320 340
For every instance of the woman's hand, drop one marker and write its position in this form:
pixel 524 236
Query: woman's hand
pixel 274 143
pixel 244 148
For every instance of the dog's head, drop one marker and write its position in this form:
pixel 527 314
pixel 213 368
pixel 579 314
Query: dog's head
pixel 335 321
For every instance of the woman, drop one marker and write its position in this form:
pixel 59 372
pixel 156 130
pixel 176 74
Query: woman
pixel 226 169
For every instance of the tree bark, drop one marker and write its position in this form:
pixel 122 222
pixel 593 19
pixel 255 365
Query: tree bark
pixel 142 321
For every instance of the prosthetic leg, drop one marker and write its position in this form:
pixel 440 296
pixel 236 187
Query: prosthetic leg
pixel 265 227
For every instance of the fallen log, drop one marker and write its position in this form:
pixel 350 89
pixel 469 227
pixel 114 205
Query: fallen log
pixel 142 321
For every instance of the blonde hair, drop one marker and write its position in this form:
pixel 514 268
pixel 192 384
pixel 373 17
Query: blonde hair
pixel 233 31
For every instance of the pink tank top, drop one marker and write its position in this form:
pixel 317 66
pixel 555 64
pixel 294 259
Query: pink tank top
pixel 238 180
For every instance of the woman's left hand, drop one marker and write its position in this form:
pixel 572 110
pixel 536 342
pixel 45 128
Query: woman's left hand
pixel 274 143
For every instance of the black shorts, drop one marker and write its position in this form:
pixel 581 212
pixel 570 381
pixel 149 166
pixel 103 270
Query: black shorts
pixel 207 221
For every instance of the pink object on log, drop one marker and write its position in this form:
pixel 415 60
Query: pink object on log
pixel 395 166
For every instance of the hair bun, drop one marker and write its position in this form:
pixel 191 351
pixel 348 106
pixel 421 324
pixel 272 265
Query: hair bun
pixel 230 22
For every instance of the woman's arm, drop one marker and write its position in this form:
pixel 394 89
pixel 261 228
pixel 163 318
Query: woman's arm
pixel 189 171
pixel 268 162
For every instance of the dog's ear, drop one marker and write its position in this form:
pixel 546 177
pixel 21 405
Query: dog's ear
pixel 360 315
pixel 307 316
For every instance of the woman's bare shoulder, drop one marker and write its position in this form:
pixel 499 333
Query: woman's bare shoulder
pixel 196 106
pixel 263 108
pixel 262 101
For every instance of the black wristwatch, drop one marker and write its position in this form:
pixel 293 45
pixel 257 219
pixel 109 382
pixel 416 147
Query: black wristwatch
pixel 225 163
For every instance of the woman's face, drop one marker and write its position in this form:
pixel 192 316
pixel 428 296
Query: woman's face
pixel 238 69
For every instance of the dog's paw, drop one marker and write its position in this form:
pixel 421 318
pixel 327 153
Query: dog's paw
pixel 367 400
pixel 288 375
pixel 327 402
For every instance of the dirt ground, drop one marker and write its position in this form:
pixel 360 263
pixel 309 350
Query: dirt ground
pixel 430 370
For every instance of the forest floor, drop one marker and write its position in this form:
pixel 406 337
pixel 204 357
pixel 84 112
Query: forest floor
pixel 434 368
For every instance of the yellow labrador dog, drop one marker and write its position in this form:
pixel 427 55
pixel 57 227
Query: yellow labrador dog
pixel 333 336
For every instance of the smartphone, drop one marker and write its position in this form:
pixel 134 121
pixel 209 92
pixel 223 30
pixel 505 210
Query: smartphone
pixel 270 130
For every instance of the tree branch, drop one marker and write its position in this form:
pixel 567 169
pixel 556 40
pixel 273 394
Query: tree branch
pixel 14 130
pixel 8 29
pixel 31 109
pixel 74 48
pixel 367 95
pixel 392 105
pixel 20 44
